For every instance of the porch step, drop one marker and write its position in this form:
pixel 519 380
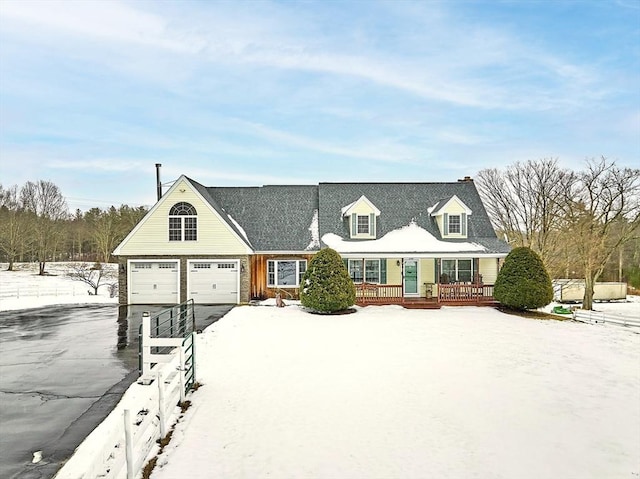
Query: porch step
pixel 421 305
pixel 418 303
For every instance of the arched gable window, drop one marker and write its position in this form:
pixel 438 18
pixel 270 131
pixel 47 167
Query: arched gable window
pixel 183 222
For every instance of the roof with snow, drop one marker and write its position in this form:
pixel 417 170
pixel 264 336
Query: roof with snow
pixel 402 204
pixel 298 217
pixel 274 218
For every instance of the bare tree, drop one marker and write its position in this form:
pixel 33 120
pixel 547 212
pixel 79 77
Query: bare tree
pixel 524 203
pixel 93 275
pixel 104 230
pixel 45 201
pixel 602 213
pixel 14 234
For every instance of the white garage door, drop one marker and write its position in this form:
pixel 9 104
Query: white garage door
pixel 154 282
pixel 214 282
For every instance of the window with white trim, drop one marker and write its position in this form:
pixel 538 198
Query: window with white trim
pixel 363 224
pixel 368 269
pixel 183 222
pixel 285 273
pixel 456 270
pixel 454 224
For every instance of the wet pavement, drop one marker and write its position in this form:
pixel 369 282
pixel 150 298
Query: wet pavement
pixel 62 370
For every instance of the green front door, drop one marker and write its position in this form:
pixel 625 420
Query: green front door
pixel 410 277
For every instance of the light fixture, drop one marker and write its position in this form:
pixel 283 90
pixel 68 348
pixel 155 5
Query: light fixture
pixel 397 262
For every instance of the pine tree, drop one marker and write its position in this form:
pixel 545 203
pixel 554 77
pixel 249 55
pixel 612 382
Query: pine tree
pixel 523 282
pixel 326 285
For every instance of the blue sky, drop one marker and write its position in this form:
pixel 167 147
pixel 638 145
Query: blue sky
pixel 93 94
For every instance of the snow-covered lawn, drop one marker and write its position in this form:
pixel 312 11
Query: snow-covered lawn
pixel 24 288
pixel 391 393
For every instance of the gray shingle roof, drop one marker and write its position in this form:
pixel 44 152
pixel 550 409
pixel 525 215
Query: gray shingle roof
pixel 399 204
pixel 277 218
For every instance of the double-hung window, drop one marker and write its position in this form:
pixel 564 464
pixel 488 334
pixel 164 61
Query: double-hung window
pixel 363 225
pixel 456 270
pixel 183 222
pixel 285 273
pixel 367 271
pixel 454 224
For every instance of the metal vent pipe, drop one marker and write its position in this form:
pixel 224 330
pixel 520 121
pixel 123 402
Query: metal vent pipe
pixel 158 184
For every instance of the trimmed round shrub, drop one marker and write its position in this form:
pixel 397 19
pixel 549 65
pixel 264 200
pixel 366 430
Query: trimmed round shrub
pixel 326 286
pixel 523 282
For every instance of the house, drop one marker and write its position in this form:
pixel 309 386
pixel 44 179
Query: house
pixel 401 242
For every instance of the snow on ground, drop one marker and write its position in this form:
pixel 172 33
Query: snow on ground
pixel 24 288
pixel 623 309
pixel 392 393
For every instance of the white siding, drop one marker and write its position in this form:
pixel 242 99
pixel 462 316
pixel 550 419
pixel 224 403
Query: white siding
pixel 489 270
pixel 152 235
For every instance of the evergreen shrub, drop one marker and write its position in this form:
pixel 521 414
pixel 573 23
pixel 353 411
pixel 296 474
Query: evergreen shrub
pixel 523 282
pixel 326 286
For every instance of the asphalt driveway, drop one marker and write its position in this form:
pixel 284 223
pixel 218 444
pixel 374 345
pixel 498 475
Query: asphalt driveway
pixel 62 370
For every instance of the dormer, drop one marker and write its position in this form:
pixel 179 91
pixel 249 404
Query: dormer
pixel 362 216
pixel 451 216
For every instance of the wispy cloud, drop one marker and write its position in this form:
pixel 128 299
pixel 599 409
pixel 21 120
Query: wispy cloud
pixel 374 150
pixel 281 92
pixel 425 72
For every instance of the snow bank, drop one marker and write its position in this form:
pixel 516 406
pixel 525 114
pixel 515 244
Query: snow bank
pixel 392 393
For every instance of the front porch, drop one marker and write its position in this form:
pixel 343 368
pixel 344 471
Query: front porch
pixel 436 295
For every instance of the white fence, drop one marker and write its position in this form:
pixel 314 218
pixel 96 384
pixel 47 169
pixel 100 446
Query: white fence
pixel 595 317
pixel 9 291
pixel 119 447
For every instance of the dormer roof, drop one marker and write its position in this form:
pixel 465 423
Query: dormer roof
pixel 441 206
pixel 347 210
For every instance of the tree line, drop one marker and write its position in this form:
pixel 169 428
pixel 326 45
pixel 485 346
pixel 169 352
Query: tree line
pixel 36 225
pixel 582 223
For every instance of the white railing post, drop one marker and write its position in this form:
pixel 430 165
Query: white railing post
pixel 161 407
pixel 182 373
pixel 128 439
pixel 146 335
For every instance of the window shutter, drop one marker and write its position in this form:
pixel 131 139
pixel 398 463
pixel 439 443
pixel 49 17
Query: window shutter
pixel 463 224
pixel 445 224
pixel 383 271
pixel 346 263
pixel 354 224
pixel 372 224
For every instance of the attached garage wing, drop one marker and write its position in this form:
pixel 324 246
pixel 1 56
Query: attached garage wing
pixel 154 282
pixel 214 282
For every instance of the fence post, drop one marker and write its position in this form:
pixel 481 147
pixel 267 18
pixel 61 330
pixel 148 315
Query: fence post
pixel 161 407
pixel 128 438
pixel 146 334
pixel 182 374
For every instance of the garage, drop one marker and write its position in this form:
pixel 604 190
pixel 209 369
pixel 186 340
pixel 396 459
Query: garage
pixel 214 281
pixel 154 282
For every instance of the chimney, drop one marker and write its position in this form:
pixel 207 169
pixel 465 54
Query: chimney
pixel 158 184
pixel 465 179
